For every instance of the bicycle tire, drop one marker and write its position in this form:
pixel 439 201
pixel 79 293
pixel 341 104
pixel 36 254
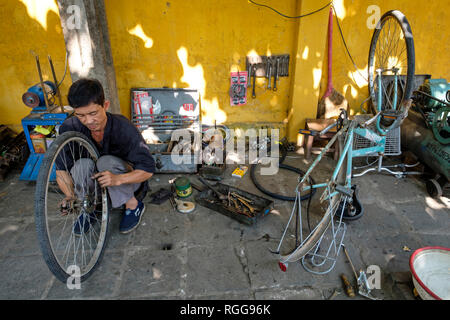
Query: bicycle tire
pixel 311 240
pixel 42 215
pixel 300 251
pixel 401 20
pixel 276 195
pixel 281 165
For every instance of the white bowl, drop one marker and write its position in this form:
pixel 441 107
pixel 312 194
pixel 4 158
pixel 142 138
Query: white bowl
pixel 430 268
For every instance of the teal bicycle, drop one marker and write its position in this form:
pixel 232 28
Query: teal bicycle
pixel 391 73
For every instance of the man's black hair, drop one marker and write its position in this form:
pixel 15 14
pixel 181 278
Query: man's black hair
pixel 84 92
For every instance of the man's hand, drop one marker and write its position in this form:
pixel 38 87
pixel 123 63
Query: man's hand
pixel 66 205
pixel 107 179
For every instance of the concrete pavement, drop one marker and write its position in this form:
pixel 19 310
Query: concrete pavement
pixel 206 255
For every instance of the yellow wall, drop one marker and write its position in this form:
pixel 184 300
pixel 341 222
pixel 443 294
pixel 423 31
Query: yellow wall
pixel 28 25
pixel 197 43
pixel 430 24
pixel 429 20
pixel 309 62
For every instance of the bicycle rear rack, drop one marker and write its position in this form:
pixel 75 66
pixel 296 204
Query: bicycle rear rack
pixel 332 239
pixel 317 260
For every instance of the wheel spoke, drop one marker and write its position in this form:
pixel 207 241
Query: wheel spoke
pixel 389 50
pixel 61 244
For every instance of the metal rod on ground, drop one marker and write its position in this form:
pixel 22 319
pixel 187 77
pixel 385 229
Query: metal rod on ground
pixel 348 257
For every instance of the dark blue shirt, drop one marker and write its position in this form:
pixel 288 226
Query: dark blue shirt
pixel 121 139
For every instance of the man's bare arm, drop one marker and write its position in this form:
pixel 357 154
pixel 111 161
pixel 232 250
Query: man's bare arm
pixel 108 179
pixel 65 183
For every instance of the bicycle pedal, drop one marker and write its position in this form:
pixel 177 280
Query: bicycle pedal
pixel 390 115
pixel 308 132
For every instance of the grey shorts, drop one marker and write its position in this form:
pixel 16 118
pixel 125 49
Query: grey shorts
pixel 84 168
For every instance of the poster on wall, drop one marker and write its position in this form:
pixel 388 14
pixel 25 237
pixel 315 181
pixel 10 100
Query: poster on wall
pixel 142 103
pixel 238 89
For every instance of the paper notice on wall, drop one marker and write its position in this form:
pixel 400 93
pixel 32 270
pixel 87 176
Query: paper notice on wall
pixel 238 89
pixel 142 103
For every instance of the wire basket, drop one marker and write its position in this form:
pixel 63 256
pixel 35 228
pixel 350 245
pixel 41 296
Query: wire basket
pixel 392 147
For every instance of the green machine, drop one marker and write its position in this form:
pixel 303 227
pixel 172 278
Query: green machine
pixel 432 101
pixel 426 132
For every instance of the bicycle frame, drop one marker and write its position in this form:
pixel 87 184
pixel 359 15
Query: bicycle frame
pixel 348 152
pixel 333 188
pixel 379 138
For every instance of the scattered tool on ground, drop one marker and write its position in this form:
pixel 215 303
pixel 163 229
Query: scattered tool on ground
pixel 181 206
pixel 232 201
pixel 220 195
pixel 351 264
pixel 348 287
pixel 335 293
pixel 363 283
pixel 160 196
pixel 184 206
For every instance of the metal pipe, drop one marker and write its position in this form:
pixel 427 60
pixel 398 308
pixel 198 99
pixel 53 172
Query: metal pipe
pixel 44 91
pixel 56 83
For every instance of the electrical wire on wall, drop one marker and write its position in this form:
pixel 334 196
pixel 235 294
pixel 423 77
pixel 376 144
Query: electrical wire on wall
pixel 313 12
pixel 281 165
pixel 346 48
pixel 290 17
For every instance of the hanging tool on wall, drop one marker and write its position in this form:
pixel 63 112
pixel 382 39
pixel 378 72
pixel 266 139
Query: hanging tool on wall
pixel 275 66
pixel 249 74
pixel 277 72
pixel 254 81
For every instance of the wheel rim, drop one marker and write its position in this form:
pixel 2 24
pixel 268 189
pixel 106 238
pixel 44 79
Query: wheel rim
pixel 315 235
pixel 70 250
pixel 391 52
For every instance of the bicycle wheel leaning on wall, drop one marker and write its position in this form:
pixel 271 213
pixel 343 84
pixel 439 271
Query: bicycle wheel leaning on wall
pixel 391 54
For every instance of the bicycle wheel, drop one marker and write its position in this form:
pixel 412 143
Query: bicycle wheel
pixel 311 240
pixel 391 52
pixel 64 249
pixel 335 208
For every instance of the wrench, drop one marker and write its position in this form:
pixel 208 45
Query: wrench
pixel 249 74
pixel 275 76
pixel 254 82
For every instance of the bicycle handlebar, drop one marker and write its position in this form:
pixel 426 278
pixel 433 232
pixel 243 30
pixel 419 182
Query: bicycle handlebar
pixel 397 116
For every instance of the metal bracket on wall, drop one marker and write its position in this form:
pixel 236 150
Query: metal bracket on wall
pixel 269 67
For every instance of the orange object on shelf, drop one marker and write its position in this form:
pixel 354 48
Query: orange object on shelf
pixel 39 144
